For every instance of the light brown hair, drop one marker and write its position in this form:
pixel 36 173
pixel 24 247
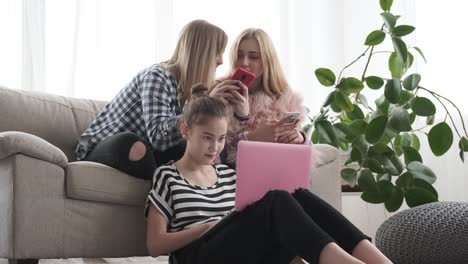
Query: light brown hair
pixel 194 58
pixel 201 107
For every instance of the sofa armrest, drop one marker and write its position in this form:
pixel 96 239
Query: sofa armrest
pixel 13 142
pixel 325 177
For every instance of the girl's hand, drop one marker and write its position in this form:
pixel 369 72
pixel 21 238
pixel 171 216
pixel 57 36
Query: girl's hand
pixel 270 132
pixel 293 137
pixel 210 224
pixel 239 99
pixel 223 90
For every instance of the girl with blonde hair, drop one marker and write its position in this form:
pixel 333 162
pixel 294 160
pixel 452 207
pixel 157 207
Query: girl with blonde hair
pixel 137 130
pixel 270 95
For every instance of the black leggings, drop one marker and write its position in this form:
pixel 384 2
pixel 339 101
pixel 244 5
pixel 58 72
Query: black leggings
pixel 113 151
pixel 274 230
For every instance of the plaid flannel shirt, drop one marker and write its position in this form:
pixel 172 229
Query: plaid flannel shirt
pixel 148 106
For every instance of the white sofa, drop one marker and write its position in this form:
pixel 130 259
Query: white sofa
pixel 52 206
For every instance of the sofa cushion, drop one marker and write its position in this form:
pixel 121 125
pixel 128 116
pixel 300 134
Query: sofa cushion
pixel 12 142
pixel 97 182
pixel 57 119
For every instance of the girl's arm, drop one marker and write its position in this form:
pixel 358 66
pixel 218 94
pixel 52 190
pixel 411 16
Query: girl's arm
pixel 160 242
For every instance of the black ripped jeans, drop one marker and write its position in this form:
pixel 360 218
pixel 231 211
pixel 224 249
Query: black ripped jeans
pixel 113 151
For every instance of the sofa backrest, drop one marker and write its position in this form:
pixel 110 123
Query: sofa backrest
pixel 59 120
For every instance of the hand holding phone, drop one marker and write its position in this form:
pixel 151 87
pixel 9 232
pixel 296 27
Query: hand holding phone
pixel 290 118
pixel 244 76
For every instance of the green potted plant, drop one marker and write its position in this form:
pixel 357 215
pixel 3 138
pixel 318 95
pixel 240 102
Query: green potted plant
pixel 381 142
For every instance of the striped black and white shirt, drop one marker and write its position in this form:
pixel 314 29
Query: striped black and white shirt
pixel 185 205
pixel 148 106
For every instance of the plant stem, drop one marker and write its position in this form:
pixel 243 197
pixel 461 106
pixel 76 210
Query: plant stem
pixel 382 51
pixel 368 59
pixel 367 64
pixel 354 61
pixel 458 110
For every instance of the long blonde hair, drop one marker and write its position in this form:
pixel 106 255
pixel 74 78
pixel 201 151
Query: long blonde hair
pixel 273 80
pixel 194 58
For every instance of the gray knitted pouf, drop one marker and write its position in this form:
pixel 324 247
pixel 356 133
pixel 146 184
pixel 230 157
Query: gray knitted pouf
pixel 431 233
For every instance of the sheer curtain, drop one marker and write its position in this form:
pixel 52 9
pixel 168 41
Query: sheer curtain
pixel 439 33
pixel 91 49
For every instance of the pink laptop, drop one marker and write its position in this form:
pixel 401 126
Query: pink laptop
pixel 262 167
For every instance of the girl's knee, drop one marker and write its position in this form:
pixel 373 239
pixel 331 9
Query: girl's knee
pixel 137 151
pixel 278 195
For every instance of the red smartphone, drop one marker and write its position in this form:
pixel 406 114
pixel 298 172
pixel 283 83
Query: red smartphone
pixel 244 76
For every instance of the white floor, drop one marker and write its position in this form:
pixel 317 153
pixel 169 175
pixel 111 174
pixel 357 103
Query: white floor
pixel 140 260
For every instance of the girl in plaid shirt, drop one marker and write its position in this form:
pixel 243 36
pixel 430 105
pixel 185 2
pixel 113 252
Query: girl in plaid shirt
pixel 137 130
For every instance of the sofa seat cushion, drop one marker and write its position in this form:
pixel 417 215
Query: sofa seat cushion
pixel 100 183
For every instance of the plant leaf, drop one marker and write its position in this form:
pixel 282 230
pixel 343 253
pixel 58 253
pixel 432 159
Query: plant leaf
pixel 389 20
pixel 363 100
pixel 405 180
pixel 361 143
pixel 423 107
pixel 374 82
pixel 328 100
pixel 401 141
pixel 418 196
pixel 391 163
pixel 367 181
pixel 381 148
pixel 356 155
pixel 392 195
pixel 396 66
pixel 399 120
pixel 342 132
pixel 402 30
pixel 376 129
pixel 430 120
pixel 420 53
pixel 325 76
pixel 326 132
pixel 350 85
pixel 400 48
pixel 343 102
pixel 415 142
pixel 412 81
pixel 315 136
pixel 409 61
pixel 374 197
pixel 404 98
pixel 384 177
pixel 375 166
pixel 425 185
pixel 349 175
pixel 463 144
pixel 411 155
pixel 386 4
pixel 393 90
pixel 440 138
pixel 375 38
pixel 382 104
pixel 357 127
pixel 356 113
pixel 420 171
